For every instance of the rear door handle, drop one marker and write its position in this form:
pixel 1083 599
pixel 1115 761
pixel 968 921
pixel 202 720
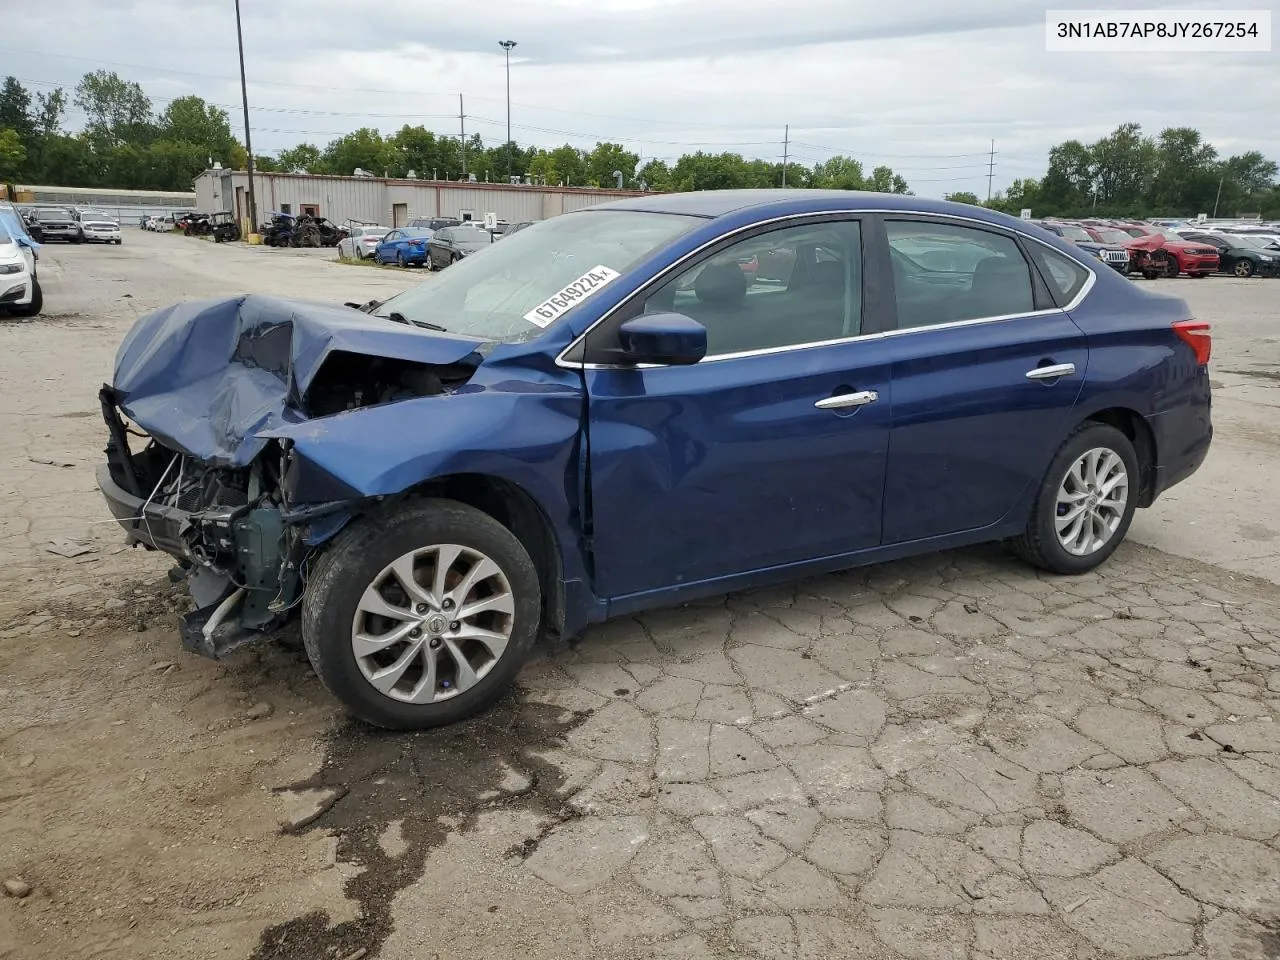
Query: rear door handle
pixel 842 400
pixel 1052 372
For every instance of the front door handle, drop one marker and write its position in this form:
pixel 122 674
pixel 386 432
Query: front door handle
pixel 1052 372
pixel 842 400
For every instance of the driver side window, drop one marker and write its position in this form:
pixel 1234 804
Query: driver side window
pixel 789 287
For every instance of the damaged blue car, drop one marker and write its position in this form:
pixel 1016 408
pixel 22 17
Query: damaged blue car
pixel 635 405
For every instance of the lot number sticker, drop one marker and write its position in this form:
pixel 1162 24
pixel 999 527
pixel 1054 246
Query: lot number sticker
pixel 573 294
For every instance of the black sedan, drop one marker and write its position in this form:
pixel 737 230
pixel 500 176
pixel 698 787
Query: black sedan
pixel 1242 256
pixel 453 243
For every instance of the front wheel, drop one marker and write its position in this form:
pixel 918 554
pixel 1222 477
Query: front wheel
pixel 33 308
pixel 1085 503
pixel 423 617
pixel 1171 268
pixel 1243 268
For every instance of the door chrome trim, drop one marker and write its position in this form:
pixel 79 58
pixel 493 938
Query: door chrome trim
pixel 1052 372
pixel 673 267
pixel 842 400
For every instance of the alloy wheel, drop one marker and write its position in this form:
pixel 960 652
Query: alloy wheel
pixel 433 623
pixel 1091 502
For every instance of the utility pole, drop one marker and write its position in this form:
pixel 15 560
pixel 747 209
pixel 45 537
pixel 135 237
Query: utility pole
pixel 462 126
pixel 991 169
pixel 507 45
pixel 248 144
pixel 786 151
pixel 1217 198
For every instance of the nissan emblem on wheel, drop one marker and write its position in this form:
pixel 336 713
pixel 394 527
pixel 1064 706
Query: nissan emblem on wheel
pixel 658 399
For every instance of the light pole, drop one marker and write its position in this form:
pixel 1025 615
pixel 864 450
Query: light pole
pixel 248 145
pixel 506 45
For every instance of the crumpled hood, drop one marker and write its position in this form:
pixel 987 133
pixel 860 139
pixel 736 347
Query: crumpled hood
pixel 206 377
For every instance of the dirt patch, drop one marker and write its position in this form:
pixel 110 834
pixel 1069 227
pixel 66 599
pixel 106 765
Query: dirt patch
pixel 424 786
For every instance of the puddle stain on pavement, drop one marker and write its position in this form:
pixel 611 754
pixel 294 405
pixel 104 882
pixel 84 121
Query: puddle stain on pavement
pixel 434 783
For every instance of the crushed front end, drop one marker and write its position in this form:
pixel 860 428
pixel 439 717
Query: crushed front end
pixel 195 462
pixel 241 559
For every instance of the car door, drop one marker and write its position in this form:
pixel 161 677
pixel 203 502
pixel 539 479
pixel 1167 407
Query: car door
pixel 769 451
pixel 986 369
pixel 389 247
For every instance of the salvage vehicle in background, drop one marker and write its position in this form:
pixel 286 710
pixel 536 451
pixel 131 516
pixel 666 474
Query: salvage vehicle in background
pixel 406 246
pixel 453 243
pixel 58 223
pixel 361 241
pixel 1114 255
pixel 223 227
pixel 1147 255
pixel 98 227
pixel 1239 255
pixel 1189 257
pixel 601 415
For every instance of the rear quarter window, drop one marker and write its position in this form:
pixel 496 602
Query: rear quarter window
pixel 1065 277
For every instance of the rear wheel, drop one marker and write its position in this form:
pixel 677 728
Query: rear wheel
pixel 1085 503
pixel 423 617
pixel 1171 268
pixel 400 259
pixel 1243 268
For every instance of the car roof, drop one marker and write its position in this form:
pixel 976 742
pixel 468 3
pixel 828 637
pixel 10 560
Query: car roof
pixel 765 203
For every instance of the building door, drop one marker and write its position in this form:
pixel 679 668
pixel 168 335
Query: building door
pixel 309 209
pixel 240 208
pixel 399 214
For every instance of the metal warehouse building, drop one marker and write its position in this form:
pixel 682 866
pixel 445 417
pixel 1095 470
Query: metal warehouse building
pixel 389 202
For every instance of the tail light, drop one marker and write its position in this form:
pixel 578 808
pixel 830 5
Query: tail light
pixel 1195 334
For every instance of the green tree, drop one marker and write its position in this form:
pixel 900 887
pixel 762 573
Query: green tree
pixel 363 149
pixel 709 171
pixel 655 175
pixel 1185 174
pixel 1124 163
pixel 304 158
pixel 1022 195
pixel 884 180
pixel 191 120
pixel 1068 184
pixel 13 155
pixel 16 112
pixel 51 108
pixel 117 110
pixel 607 158
pixel 963 196
pixel 838 173
pixel 570 165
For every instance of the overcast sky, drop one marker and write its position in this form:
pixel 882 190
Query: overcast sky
pixel 921 85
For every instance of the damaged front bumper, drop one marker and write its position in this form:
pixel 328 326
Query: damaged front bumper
pixel 241 559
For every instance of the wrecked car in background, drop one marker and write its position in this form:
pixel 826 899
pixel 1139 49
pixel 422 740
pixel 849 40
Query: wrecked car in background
pixel 604 414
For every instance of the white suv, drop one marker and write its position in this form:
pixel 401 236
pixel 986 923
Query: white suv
pixel 19 289
pixel 99 227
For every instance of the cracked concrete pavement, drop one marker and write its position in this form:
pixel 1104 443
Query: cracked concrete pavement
pixel 947 757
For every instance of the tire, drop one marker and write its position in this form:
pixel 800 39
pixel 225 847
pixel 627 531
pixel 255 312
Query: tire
pixel 1040 545
pixel 1243 268
pixel 360 560
pixel 400 259
pixel 1171 268
pixel 33 308
pixel 77 239
pixel 117 242
pixel 1151 274
pixel 429 264
pixel 1198 275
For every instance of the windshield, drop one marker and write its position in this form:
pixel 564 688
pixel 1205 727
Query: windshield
pixel 99 215
pixel 1252 243
pixel 1114 236
pixel 488 296
pixel 53 213
pixel 1072 232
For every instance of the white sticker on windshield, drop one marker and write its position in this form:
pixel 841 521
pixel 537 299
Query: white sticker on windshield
pixel 573 294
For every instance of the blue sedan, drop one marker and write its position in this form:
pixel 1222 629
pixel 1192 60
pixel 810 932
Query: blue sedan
pixel 639 404
pixel 406 246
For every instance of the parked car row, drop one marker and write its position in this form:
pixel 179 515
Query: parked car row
pixel 44 223
pixel 434 243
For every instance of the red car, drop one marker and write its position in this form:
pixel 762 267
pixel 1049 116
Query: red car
pixel 1147 255
pixel 1184 256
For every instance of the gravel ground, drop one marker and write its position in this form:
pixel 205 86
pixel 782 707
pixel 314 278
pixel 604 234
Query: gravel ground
pixel 949 757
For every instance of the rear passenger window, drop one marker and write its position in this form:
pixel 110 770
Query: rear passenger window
pixel 1065 277
pixel 945 274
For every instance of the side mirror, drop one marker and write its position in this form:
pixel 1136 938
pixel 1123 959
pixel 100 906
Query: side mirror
pixel 671 339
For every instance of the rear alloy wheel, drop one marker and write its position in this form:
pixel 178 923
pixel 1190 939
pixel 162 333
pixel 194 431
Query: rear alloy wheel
pixel 1171 268
pixel 1085 503
pixel 423 617
pixel 400 259
pixel 1243 268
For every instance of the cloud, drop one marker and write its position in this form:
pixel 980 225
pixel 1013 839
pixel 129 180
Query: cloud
pixel 921 85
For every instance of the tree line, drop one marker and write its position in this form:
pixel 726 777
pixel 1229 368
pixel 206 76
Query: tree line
pixel 126 144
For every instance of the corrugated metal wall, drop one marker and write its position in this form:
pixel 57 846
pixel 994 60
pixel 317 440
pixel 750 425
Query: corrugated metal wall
pixel 374 200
